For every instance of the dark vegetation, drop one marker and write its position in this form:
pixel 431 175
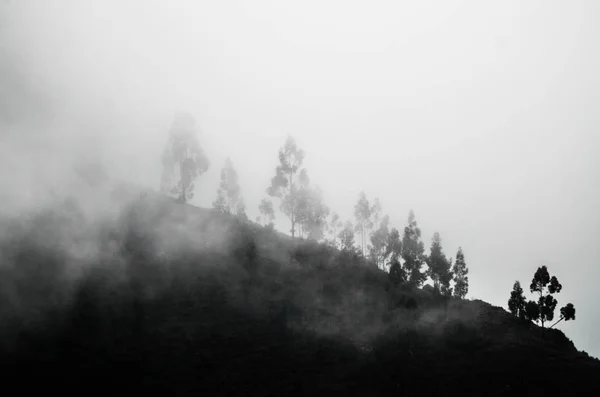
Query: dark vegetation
pixel 143 293
pixel 179 301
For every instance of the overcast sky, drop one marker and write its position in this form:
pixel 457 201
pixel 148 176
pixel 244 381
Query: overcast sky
pixel 480 116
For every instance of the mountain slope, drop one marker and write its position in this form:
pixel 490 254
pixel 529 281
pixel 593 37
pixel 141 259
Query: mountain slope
pixel 170 298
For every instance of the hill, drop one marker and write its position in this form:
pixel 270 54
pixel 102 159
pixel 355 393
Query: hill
pixel 138 293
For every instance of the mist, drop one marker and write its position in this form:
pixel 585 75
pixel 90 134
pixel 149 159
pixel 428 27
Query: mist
pixel 479 117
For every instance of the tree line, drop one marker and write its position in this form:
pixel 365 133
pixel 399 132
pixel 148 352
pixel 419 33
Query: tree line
pixel 370 236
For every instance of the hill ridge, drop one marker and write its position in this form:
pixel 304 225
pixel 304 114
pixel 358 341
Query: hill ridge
pixel 183 299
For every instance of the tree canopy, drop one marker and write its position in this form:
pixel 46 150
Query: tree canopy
pixel 183 158
pixel 229 197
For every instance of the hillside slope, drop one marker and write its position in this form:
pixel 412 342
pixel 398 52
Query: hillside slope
pixel 155 296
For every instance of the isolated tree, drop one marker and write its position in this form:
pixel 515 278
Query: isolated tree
pixel 460 273
pixel 379 240
pixel 229 198
pixel 183 159
pixel 413 252
pixel 347 237
pixel 439 266
pixel 567 313
pixel 267 212
pixel 517 302
pixel 545 286
pixel 283 184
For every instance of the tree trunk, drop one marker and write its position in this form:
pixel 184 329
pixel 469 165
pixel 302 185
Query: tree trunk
pixel 541 310
pixel 562 318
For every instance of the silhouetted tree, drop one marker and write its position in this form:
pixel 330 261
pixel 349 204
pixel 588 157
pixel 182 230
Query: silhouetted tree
pixel 393 246
pixel 460 272
pixel 413 252
pixel 282 184
pixel 396 274
pixel 439 266
pixel 243 248
pixel 545 286
pixel 532 311
pixel 229 198
pixel 347 237
pixel 379 240
pixel 567 313
pixel 267 212
pixel 517 302
pixel 183 159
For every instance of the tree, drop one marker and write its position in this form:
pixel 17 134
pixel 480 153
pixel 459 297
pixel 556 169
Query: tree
pixel 362 214
pixel 545 286
pixel 183 159
pixel 375 212
pixel 567 313
pixel 379 240
pixel 532 311
pixel 311 212
pixel 413 252
pixel 460 272
pixel 282 184
pixel 517 302
pixel 396 274
pixel 347 237
pixel 439 266
pixel 335 224
pixel 393 246
pixel 267 212
pixel 229 198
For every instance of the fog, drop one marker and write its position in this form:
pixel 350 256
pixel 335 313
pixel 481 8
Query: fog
pixel 480 117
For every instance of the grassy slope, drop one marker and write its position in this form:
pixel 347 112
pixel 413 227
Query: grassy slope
pixel 174 302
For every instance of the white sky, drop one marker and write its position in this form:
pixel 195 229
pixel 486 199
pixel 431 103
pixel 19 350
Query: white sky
pixel 480 116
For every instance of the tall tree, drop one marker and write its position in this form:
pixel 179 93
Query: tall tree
pixel 362 214
pixel 376 212
pixel 545 286
pixel 267 212
pixel 439 266
pixel 393 248
pixel 229 197
pixel 335 224
pixel 413 252
pixel 379 241
pixel 460 272
pixel 283 184
pixel 312 213
pixel 183 159
pixel 347 237
pixel 517 302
